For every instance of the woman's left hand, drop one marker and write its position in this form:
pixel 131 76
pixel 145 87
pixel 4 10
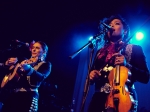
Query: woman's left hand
pixel 119 59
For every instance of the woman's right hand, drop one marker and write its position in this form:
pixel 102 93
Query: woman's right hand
pixel 94 75
pixel 11 61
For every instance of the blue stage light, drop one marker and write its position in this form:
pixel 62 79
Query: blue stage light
pixel 139 36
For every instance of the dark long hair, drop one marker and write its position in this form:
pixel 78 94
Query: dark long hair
pixel 107 21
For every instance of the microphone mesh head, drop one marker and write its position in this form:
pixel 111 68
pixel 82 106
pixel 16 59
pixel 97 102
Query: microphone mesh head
pixel 27 44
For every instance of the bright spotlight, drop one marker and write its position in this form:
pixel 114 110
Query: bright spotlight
pixel 139 36
pixel 90 38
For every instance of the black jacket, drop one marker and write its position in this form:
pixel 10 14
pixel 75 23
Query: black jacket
pixel 135 57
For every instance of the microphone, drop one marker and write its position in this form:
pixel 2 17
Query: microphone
pixel 1 64
pixel 22 43
pixel 109 28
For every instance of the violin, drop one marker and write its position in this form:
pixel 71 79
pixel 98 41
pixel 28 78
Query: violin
pixel 119 96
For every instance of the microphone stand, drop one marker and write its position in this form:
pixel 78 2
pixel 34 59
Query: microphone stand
pixel 87 83
pixel 91 44
pixel 5 50
pixel 10 49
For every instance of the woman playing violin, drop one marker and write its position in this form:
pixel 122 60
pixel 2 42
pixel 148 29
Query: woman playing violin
pixel 28 76
pixel 128 57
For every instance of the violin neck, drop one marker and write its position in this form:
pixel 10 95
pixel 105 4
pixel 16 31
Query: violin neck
pixel 117 75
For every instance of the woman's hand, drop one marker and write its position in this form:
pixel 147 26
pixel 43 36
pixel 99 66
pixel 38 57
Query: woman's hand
pixel 119 59
pixel 11 61
pixel 24 65
pixel 94 75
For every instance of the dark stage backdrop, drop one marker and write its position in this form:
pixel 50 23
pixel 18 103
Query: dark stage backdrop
pixel 65 27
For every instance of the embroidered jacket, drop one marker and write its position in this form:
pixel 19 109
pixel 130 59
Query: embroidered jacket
pixel 35 76
pixel 31 79
pixel 136 63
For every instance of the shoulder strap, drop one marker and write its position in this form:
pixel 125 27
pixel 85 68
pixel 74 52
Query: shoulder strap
pixel 38 65
pixel 35 68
